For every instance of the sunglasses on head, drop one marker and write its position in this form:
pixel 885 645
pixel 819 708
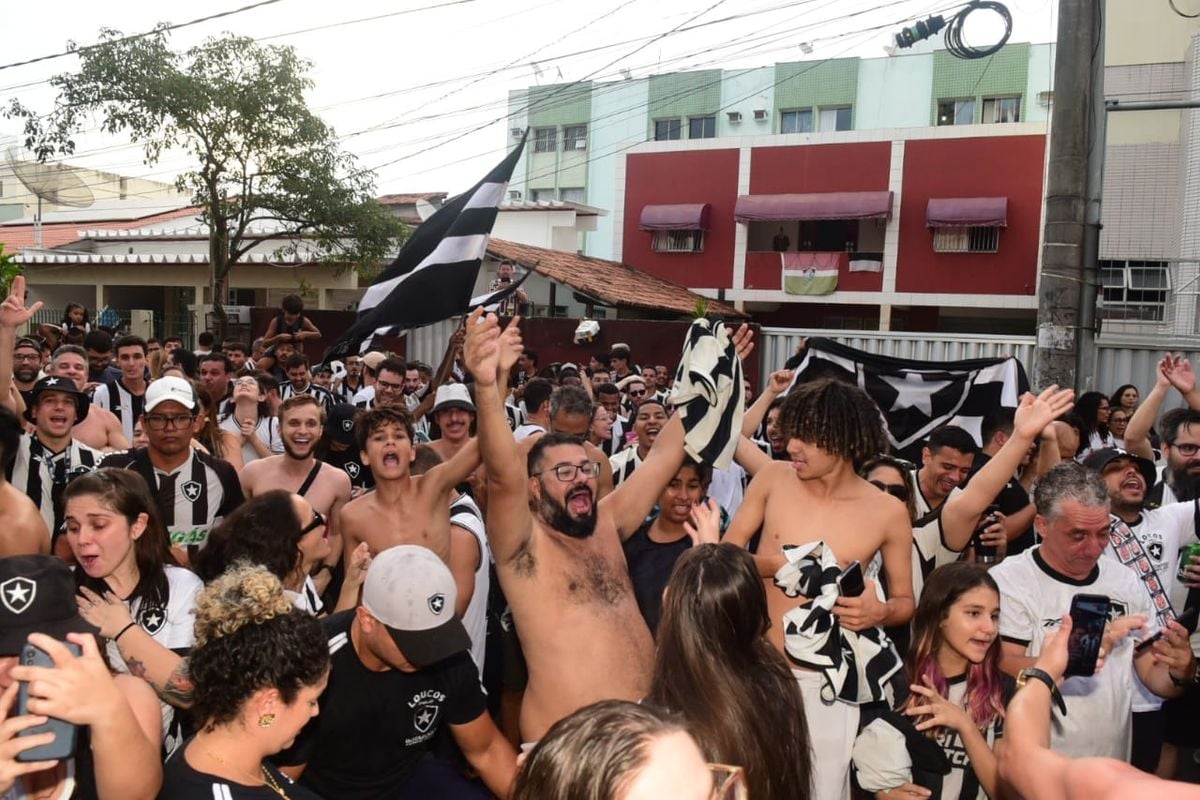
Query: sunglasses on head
pixel 896 490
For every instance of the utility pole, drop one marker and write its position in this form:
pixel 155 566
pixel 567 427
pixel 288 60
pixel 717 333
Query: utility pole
pixel 1065 328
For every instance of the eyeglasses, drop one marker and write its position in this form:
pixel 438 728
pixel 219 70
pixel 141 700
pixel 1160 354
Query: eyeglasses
pixel 318 521
pixel 1187 450
pixel 896 490
pixel 567 472
pixel 729 782
pixel 633 393
pixel 27 357
pixel 388 386
pixel 158 422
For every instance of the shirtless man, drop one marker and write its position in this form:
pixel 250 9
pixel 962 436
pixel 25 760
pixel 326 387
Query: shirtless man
pixel 571 414
pixel 325 487
pixel 561 566
pixel 404 508
pixel 100 430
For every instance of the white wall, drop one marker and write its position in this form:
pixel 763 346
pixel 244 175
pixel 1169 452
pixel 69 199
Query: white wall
pixel 745 90
pixel 1040 78
pixel 894 92
pixel 618 122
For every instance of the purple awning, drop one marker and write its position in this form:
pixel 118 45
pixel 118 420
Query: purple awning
pixel 817 206
pixel 967 212
pixel 679 217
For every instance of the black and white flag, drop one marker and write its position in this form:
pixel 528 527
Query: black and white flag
pixel 915 397
pixel 435 271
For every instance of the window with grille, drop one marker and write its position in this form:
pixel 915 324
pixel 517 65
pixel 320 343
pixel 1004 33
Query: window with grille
pixel 702 127
pixel 573 194
pixel 667 129
pixel 690 241
pixel 799 121
pixel 1134 290
pixel 575 137
pixel 544 139
pixel 1001 109
pixel 966 240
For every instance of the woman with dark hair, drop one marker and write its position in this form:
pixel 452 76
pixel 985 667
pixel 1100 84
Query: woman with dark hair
pixel 1127 397
pixel 258 667
pixel 206 431
pixel 248 428
pixel 958 691
pixel 1093 409
pixel 617 750
pixel 129 584
pixel 600 431
pixel 890 474
pixel 715 668
pixel 281 532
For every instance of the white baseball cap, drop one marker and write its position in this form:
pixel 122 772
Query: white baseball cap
pixel 170 388
pixel 452 395
pixel 411 591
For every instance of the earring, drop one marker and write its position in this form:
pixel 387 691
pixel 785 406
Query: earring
pixel 266 720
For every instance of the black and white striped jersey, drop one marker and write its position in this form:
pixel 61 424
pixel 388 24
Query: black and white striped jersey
pixel 613 444
pixel 124 404
pixel 192 499
pixel 43 474
pixel 287 390
pixel 624 463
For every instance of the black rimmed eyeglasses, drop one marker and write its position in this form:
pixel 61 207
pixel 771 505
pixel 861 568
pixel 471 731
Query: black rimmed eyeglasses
pixel 318 521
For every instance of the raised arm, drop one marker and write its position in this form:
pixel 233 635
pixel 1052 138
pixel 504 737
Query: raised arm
pixel 442 373
pixel 779 382
pixel 509 523
pixel 451 473
pixel 1137 432
pixel 962 511
pixel 13 314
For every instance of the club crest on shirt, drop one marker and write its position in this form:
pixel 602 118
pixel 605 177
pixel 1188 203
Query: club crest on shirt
pixel 151 617
pixel 17 594
pixel 424 717
pixel 191 490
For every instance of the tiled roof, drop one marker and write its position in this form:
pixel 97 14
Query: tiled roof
pixel 610 282
pixel 57 234
pixel 410 199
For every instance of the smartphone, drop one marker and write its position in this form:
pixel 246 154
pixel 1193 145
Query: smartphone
pixel 850 582
pixel 63 745
pixel 984 553
pixel 1089 615
pixel 1188 619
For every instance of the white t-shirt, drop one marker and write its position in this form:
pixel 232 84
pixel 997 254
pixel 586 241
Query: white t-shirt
pixel 267 432
pixel 1033 599
pixel 728 487
pixel 308 599
pixel 929 545
pixel 466 514
pixel 527 430
pixel 172 627
pixel 1163 532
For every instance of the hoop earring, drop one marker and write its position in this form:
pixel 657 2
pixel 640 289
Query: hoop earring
pixel 266 720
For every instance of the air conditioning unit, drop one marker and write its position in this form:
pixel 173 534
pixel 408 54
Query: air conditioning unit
pixel 1045 99
pixel 760 113
pixel 238 314
pixel 735 116
pixel 580 144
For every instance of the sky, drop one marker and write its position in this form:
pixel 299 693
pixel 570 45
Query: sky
pixel 418 90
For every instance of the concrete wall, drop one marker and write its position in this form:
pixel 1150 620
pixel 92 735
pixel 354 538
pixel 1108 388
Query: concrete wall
pixel 894 92
pixel 744 91
pixel 618 123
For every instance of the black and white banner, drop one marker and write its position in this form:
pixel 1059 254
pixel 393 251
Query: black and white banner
pixel 916 397
pixel 434 274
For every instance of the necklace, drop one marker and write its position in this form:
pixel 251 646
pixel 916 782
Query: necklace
pixel 264 777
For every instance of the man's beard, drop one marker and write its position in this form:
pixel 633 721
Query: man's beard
pixel 25 374
pixel 559 518
pixel 287 448
pixel 1184 484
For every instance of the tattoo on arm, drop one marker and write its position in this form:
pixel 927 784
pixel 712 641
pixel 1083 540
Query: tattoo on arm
pixel 137 669
pixel 179 688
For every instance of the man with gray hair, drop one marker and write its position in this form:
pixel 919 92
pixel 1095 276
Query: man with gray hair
pixel 1036 589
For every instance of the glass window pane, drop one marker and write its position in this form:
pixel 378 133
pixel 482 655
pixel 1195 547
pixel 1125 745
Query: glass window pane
pixel 964 112
pixel 844 118
pixel 945 115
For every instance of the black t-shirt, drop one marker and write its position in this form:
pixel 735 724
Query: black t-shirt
pixel 350 462
pixel 1012 498
pixel 650 567
pixel 181 782
pixel 375 727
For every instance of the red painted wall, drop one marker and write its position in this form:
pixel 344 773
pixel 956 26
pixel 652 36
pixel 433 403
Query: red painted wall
pixel 858 167
pixel 699 176
pixel 1008 166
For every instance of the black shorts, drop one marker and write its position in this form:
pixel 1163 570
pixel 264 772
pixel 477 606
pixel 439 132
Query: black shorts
pixel 1183 718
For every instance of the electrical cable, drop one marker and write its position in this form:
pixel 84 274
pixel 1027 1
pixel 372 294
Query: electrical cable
pixel 957 45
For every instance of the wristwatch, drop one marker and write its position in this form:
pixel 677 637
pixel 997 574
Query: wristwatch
pixel 1038 675
pixel 1192 678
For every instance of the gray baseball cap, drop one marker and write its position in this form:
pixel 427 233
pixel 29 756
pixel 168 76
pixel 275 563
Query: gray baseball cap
pixel 412 593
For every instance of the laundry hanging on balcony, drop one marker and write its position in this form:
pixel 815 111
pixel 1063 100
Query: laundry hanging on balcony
pixel 810 273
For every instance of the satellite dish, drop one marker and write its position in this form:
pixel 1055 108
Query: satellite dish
pixel 53 182
pixel 425 209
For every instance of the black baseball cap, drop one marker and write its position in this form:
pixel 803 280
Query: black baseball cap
pixel 1101 458
pixel 37 595
pixel 340 425
pixel 53 383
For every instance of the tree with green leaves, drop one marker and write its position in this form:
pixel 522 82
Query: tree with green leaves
pixel 261 159
pixel 9 269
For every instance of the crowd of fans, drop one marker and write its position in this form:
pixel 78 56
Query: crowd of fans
pixel 228 572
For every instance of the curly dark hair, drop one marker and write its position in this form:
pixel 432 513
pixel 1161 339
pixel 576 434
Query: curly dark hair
pixel 371 421
pixel 835 416
pixel 263 531
pixel 249 637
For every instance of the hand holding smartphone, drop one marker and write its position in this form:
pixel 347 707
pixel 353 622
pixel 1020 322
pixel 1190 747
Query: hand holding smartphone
pixel 1089 615
pixel 1188 619
pixel 850 582
pixel 64 732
